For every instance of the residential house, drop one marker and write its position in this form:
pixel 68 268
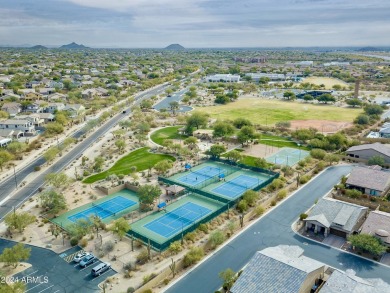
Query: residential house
pixel 54 84
pixel 32 96
pixel 57 97
pixel 35 119
pixel 10 133
pixel 24 126
pixel 367 151
pixel 12 108
pixel 74 110
pixel 223 78
pixel 33 108
pixel 281 269
pixel 54 107
pixel 331 216
pixel 9 97
pixel 47 91
pixel 47 117
pixel 348 282
pixel 378 224
pixel 369 180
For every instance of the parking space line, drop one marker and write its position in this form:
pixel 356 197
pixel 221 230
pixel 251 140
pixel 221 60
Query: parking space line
pixel 30 273
pixel 34 287
pixel 46 288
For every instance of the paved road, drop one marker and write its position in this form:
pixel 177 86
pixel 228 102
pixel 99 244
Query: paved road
pixel 51 273
pixel 275 229
pixel 177 97
pixel 8 185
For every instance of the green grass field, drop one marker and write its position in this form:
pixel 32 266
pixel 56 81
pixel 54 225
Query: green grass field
pixel 269 112
pixel 166 133
pixel 140 158
pixel 279 142
pixel 246 160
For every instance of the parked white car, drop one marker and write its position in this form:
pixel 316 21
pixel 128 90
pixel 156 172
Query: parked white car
pixel 80 256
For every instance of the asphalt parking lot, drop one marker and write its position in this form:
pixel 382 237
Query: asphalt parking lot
pixel 57 273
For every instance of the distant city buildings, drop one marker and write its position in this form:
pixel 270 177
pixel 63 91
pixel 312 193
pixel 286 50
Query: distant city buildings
pixel 223 78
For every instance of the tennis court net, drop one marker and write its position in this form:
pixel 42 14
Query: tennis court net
pixel 183 217
pixel 246 186
pixel 102 209
pixel 206 175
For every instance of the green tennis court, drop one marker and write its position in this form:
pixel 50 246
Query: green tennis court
pixel 109 208
pixel 287 156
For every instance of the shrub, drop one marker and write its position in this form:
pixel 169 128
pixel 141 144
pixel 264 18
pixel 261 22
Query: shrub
pixel 74 241
pixel 353 193
pixel 304 179
pixel 37 168
pixel 242 206
pixel 193 256
pixel 204 228
pixel 83 242
pixel 130 290
pixel 276 184
pixel 143 256
pixel 318 154
pixel 281 194
pixel 147 291
pixel 191 236
pixel 287 170
pixel 128 266
pixel 108 246
pixel 273 203
pixel 216 238
pixel 175 247
pixel 303 216
pixel 147 278
pixel 259 210
pixel 250 197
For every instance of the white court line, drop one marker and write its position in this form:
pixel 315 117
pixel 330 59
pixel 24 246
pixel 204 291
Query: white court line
pixel 56 291
pixel 46 288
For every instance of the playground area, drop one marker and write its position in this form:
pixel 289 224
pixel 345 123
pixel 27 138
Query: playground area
pixel 107 209
pixel 287 156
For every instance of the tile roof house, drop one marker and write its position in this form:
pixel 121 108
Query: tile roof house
pixel 282 269
pixel 24 126
pixel 366 151
pixel 348 282
pixel 331 216
pixel 369 180
pixel 12 108
pixel 378 225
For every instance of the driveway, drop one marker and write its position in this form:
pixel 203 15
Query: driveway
pixel 274 229
pixel 52 273
pixel 334 241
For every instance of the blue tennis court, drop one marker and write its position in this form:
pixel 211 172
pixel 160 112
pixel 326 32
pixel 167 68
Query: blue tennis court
pixel 196 177
pixel 104 209
pixel 237 186
pixel 180 218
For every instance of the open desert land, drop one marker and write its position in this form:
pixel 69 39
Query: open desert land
pixel 269 112
pixel 329 82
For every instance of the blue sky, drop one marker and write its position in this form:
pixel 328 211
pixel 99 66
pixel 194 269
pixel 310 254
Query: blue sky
pixel 195 23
